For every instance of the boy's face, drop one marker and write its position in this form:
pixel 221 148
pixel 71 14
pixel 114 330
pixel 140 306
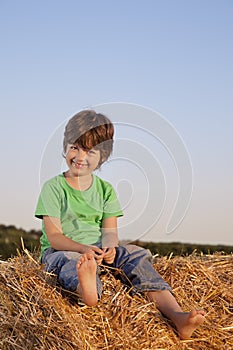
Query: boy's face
pixel 81 162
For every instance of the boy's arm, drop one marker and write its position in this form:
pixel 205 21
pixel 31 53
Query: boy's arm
pixel 109 232
pixel 59 241
pixel 109 239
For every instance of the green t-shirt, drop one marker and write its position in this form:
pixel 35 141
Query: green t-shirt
pixel 81 212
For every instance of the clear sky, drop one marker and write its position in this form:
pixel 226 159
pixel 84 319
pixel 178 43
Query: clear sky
pixel 171 57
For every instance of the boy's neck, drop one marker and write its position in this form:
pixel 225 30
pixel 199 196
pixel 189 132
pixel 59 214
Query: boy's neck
pixel 81 183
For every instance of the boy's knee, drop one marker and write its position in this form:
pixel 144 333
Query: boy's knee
pixel 132 248
pixel 135 250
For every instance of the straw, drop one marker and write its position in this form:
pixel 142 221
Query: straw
pixel 36 314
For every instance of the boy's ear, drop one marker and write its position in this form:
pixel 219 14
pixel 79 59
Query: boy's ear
pixel 102 160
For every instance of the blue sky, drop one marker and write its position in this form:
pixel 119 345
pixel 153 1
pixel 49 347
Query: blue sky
pixel 172 57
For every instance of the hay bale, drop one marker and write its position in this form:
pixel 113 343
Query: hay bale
pixel 36 314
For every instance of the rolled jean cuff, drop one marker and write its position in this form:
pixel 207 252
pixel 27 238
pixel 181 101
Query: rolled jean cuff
pixel 151 288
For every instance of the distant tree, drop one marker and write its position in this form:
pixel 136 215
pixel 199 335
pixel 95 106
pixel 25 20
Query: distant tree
pixel 10 240
pixel 177 248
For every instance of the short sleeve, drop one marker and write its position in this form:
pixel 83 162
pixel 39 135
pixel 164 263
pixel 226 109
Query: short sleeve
pixel 111 204
pixel 49 202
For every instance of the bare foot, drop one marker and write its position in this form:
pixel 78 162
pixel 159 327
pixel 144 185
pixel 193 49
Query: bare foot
pixel 187 322
pixel 86 268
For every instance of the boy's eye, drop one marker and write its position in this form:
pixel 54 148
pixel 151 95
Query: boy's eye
pixel 73 147
pixel 92 151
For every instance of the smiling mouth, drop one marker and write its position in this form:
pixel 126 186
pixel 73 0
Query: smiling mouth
pixel 78 165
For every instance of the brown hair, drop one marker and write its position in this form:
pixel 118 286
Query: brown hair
pixel 90 130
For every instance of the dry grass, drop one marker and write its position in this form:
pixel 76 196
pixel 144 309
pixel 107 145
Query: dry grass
pixel 35 314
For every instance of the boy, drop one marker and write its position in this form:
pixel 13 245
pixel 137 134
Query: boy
pixel 79 213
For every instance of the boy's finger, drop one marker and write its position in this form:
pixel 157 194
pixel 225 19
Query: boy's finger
pixel 110 251
pixel 97 250
pixel 109 261
pixel 98 257
pixel 99 261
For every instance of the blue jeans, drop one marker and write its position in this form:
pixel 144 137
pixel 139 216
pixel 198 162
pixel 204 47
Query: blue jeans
pixel 134 263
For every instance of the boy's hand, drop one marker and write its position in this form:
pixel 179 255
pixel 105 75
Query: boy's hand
pixel 109 255
pixel 97 252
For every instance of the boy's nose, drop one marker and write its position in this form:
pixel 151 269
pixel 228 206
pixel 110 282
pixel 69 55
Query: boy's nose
pixel 81 154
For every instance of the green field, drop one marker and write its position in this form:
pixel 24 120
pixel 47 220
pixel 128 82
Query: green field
pixel 11 242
